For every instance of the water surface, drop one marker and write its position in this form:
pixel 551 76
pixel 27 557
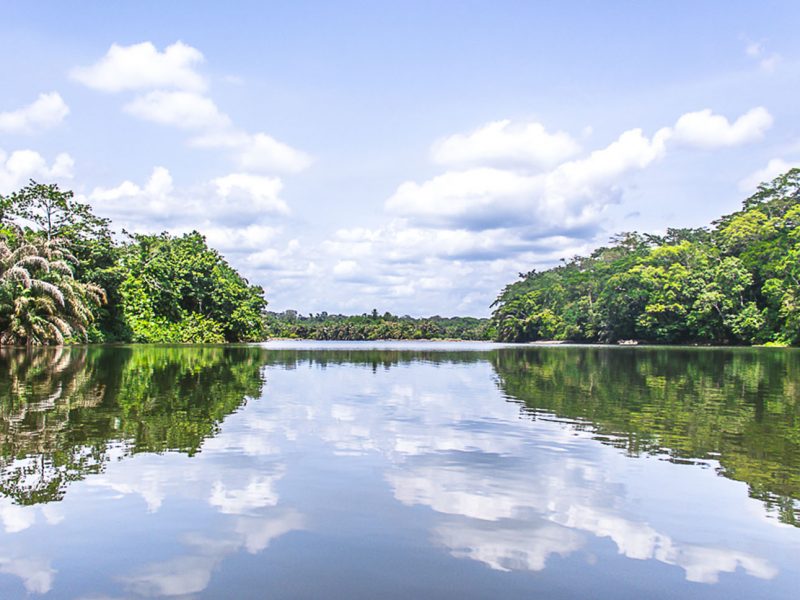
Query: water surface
pixel 397 470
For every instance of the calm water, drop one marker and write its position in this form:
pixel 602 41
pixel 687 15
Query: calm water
pixel 399 471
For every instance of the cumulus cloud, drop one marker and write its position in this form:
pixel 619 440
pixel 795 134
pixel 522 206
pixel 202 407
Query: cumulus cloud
pixel 570 196
pixel 775 167
pixel 255 152
pixel 345 269
pixel 259 191
pixel 707 130
pixel 21 165
pixel 503 142
pixel 142 66
pixel 240 239
pixel 173 94
pixel 186 110
pixel 152 201
pixel 233 199
pixel 47 111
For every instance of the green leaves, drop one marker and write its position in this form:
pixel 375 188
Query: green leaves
pixel 738 283
pixel 177 289
pixel 40 301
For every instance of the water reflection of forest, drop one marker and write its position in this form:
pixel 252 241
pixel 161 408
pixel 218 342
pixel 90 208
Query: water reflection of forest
pixel 64 413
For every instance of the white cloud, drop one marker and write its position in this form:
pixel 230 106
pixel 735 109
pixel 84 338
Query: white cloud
pixel 775 167
pixel 176 99
pixel 21 165
pixel 142 66
pixel 222 203
pixel 345 269
pixel 48 110
pixel 259 191
pixel 240 239
pixel 754 49
pixel 255 152
pixel 130 202
pixel 501 142
pixel 707 130
pixel 481 194
pixel 767 61
pixel 570 196
pixel 275 258
pixel 185 110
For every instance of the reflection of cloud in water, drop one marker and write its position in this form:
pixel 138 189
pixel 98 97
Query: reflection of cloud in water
pixel 258 493
pixel 515 492
pixel 501 510
pixel 175 577
pixel 16 517
pixel 520 496
pixel 508 545
pixel 37 575
pixel 191 573
pixel 149 485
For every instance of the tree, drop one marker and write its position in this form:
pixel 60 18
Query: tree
pixel 55 212
pixel 177 289
pixel 40 300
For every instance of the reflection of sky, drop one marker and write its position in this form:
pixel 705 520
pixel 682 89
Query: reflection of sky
pixel 430 453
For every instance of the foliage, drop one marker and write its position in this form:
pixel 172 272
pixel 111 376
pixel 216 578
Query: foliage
pixel 40 300
pixel 64 278
pixel 374 326
pixel 177 289
pixel 736 283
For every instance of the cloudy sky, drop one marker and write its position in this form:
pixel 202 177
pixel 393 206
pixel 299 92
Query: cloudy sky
pixel 412 157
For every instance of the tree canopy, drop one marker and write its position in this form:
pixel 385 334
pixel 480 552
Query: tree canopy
pixel 737 282
pixel 64 278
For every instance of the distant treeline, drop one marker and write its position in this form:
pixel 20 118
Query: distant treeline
pixel 737 282
pixel 374 326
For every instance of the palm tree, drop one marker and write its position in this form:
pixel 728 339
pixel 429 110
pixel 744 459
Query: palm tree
pixel 40 300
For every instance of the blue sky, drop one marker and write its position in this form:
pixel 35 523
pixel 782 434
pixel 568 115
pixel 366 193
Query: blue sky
pixel 412 157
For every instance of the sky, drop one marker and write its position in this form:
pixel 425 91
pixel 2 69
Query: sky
pixel 413 157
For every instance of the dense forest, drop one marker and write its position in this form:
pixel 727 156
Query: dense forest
pixel 736 282
pixel 65 278
pixel 374 326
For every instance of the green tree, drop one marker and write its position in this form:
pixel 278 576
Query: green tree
pixel 40 300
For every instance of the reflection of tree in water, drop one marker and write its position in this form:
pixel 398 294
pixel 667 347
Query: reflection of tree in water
pixel 739 407
pixel 375 359
pixel 65 412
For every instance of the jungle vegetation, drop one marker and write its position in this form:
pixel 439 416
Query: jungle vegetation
pixel 64 277
pixel 736 282
pixel 374 326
